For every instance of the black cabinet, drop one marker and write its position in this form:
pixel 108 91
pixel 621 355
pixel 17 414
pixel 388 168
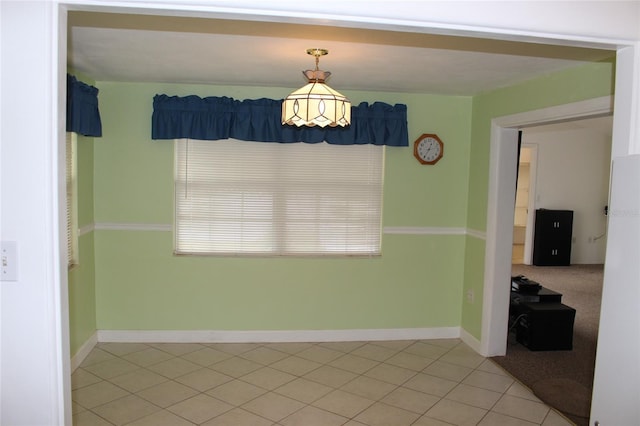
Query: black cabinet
pixel 552 237
pixel 546 326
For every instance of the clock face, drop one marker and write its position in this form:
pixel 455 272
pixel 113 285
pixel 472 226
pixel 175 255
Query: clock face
pixel 428 149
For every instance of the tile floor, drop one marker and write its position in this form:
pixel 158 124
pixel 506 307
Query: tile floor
pixel 390 383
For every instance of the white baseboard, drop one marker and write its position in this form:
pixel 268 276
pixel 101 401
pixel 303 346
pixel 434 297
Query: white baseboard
pixel 275 336
pixel 471 341
pixel 84 351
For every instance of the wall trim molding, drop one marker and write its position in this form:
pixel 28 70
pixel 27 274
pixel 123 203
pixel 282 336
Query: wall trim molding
pixel 390 230
pixel 113 226
pixel 481 235
pixel 84 351
pixel 275 336
pixel 470 341
pixel 86 229
pixel 555 114
pixel 422 230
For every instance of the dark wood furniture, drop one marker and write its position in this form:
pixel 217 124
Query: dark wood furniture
pixel 552 237
pixel 544 295
pixel 541 321
pixel 546 326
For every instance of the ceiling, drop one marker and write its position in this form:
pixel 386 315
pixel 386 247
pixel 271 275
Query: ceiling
pixel 146 48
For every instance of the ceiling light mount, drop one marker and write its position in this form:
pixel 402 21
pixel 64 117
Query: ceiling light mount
pixel 316 104
pixel 317 53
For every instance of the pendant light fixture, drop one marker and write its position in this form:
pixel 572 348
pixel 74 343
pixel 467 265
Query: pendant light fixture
pixel 316 104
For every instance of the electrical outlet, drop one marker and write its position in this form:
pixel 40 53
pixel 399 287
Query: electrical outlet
pixel 8 261
pixel 470 296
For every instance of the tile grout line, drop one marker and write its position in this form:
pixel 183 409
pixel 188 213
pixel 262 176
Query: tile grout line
pixel 354 350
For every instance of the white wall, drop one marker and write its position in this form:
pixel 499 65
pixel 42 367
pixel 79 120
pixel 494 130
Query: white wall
pixel 573 167
pixel 616 385
pixel 616 382
pixel 34 345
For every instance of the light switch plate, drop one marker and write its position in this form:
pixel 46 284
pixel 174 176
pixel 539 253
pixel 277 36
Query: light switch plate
pixel 8 261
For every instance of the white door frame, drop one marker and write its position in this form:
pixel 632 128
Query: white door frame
pixel 531 202
pixel 500 210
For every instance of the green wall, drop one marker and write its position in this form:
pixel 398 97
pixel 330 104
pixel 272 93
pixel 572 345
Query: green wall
pixel 573 85
pixel 141 285
pixel 418 282
pixel 82 295
pixel 581 83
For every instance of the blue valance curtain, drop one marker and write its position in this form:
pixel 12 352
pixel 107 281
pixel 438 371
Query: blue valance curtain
pixel 83 116
pixel 259 120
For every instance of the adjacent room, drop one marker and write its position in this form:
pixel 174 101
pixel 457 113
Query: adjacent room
pixel 551 177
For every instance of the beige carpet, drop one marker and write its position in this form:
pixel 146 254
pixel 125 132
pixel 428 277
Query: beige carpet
pixel 562 379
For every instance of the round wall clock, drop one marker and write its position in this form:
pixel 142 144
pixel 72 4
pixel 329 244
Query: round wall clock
pixel 428 149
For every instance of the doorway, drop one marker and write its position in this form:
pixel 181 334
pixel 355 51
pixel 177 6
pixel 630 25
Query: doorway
pixel 579 183
pixel 500 209
pixel 524 206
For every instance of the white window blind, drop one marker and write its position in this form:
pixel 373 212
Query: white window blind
pixel 237 197
pixel 72 197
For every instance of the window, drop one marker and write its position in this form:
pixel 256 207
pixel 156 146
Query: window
pixel 238 197
pixel 72 198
